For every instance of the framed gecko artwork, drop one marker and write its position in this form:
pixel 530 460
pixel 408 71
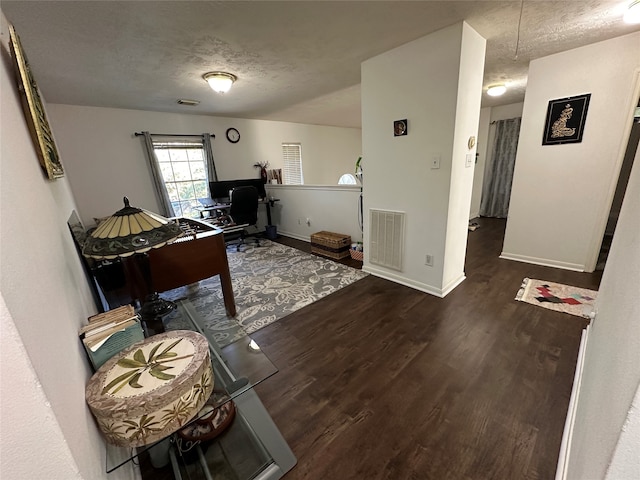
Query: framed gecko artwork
pixel 565 120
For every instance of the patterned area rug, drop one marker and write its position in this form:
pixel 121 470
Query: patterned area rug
pixel 269 282
pixel 556 296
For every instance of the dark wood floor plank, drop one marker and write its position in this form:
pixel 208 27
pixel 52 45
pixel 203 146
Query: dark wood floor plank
pixel 381 381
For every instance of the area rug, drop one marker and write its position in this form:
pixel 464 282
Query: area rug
pixel 558 297
pixel 269 282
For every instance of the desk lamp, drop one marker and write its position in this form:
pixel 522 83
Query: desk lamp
pixel 128 234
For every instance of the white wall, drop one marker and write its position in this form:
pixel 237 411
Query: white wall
pixel 397 170
pixel 472 50
pixel 47 429
pixel 331 208
pixel 626 461
pixel 611 372
pixel 26 410
pixel 561 194
pixel 486 137
pixel 105 161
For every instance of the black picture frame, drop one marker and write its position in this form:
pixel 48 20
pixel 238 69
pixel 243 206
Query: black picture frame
pixel 565 120
pixel 400 128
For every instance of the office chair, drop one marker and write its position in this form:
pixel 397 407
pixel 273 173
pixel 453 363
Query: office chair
pixel 243 213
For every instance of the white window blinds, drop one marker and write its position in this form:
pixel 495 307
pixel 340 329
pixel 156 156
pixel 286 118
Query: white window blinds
pixel 292 156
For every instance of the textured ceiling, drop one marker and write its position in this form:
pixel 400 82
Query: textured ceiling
pixel 296 61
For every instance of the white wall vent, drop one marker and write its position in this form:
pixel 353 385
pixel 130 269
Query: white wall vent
pixel 386 235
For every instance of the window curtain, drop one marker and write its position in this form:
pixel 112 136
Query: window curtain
pixel 496 190
pixel 156 176
pixel 212 175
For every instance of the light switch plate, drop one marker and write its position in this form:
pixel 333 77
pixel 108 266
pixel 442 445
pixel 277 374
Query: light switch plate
pixel 469 160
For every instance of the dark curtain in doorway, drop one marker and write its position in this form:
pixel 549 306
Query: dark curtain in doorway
pixel 496 190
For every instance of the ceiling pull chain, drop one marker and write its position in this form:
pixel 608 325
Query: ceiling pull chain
pixel 515 57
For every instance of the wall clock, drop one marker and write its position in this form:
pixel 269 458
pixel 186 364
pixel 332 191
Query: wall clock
pixel 400 127
pixel 233 135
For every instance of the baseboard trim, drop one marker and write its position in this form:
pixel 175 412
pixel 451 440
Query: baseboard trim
pixel 567 434
pixel 543 262
pixel 453 284
pixel 423 287
pixel 295 235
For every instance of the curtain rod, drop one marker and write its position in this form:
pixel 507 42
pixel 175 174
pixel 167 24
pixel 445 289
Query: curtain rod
pixel 138 134
pixel 496 121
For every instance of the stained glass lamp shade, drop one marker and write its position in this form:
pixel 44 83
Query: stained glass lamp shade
pixel 128 231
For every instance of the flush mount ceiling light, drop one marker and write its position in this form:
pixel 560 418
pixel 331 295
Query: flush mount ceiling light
pixel 220 81
pixel 632 15
pixel 496 90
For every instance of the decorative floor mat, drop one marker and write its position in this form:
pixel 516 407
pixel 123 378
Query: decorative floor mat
pixel 558 297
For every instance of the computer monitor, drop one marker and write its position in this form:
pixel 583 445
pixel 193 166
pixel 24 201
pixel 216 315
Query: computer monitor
pixel 220 190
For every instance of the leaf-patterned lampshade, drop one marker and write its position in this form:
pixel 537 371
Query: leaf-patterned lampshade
pixel 128 231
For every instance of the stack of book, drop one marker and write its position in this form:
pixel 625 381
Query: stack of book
pixel 108 333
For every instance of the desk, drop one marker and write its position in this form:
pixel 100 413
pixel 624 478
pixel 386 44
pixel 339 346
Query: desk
pixel 213 208
pixel 267 202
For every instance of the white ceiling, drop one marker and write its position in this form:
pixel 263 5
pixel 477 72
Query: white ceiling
pixel 296 61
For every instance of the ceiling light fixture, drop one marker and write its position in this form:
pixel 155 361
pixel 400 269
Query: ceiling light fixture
pixel 496 90
pixel 632 15
pixel 220 81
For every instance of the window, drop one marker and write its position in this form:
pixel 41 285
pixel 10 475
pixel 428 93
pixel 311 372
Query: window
pixel 182 164
pixel 292 156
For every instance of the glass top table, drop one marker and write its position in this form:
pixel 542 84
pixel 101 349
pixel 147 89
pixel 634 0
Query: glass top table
pixel 238 367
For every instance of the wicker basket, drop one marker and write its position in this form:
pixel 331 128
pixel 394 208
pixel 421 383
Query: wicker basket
pixel 329 244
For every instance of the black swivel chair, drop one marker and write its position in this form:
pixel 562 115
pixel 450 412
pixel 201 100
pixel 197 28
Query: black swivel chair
pixel 243 213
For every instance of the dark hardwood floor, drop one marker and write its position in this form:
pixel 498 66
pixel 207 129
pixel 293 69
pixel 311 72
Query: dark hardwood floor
pixel 382 381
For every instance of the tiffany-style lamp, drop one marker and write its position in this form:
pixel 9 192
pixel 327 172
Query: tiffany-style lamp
pixel 128 234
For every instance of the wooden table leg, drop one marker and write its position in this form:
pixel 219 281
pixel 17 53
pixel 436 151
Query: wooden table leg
pixel 227 293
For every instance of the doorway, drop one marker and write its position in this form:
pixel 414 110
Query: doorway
pixel 621 188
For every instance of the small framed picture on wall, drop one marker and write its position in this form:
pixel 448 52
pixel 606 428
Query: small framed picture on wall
pixel 565 120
